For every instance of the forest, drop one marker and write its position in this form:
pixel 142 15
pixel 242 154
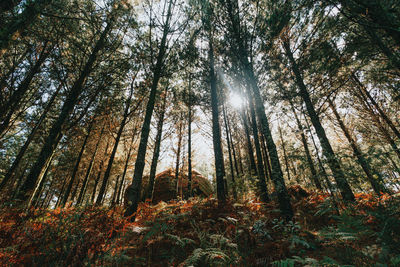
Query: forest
pixel 200 133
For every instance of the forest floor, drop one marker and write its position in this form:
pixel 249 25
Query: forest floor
pixel 199 233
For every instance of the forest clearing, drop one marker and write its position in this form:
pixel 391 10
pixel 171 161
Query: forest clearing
pixel 199 133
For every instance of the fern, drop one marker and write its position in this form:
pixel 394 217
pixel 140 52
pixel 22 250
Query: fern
pixel 208 257
pixel 181 242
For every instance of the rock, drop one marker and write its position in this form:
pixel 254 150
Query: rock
pixel 165 186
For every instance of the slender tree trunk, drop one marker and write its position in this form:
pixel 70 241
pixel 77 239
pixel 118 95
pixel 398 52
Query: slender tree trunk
pixel 327 150
pixel 378 123
pixel 376 186
pixel 125 169
pixel 240 159
pixel 314 175
pixel 216 130
pixel 13 103
pixel 377 107
pixel 74 192
pixel 267 165
pixel 320 164
pixel 47 196
pixel 61 193
pixel 253 168
pixel 157 145
pixel 117 201
pixel 262 184
pixel 115 191
pixel 89 169
pixel 133 192
pixel 229 151
pixel 189 188
pixel 76 167
pixel 96 182
pixel 243 57
pixel 55 133
pixel 178 152
pixel 39 192
pixel 23 149
pixel 284 153
pixel 114 151
pixel 233 149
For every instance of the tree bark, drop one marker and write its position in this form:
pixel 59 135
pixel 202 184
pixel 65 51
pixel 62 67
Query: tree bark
pixel 55 133
pixel 115 191
pixel 157 145
pixel 216 130
pixel 23 149
pixel 13 103
pixel 189 189
pixel 89 169
pixel 364 91
pixel 284 153
pixel 125 169
pixel 178 152
pixel 133 192
pixel 376 186
pixel 114 151
pixel 314 175
pixel 327 150
pixel 243 57
pixel 262 184
pixel 76 167
pixel 228 141
pixel 252 167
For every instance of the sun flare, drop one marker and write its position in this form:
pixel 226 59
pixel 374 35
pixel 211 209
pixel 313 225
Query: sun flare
pixel 236 100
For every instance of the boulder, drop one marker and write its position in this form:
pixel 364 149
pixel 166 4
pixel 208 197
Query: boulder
pixel 165 186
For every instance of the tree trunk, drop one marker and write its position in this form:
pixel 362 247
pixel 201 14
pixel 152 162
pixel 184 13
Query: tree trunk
pixel 233 149
pixel 55 133
pixel 23 149
pixel 13 103
pixel 284 153
pixel 178 152
pixel 378 123
pixel 376 186
pixel 36 197
pixel 243 57
pixel 96 182
pixel 157 145
pixel 89 169
pixel 327 150
pixel 114 151
pixel 115 191
pixel 267 165
pixel 229 151
pixel 262 184
pixel 216 130
pixel 133 192
pixel 125 169
pixel 76 167
pixel 314 175
pixel 189 189
pixel 375 104
pixel 252 167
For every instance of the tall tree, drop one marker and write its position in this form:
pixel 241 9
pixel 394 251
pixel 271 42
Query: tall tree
pixel 133 192
pixel 243 57
pixel 55 134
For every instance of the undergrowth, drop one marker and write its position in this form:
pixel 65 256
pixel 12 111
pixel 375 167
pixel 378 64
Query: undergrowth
pixel 198 232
